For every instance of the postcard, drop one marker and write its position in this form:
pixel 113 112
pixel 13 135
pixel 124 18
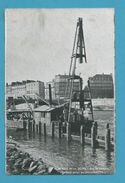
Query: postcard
pixel 60 91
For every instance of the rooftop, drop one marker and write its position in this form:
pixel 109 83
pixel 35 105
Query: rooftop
pixel 17 83
pixel 101 76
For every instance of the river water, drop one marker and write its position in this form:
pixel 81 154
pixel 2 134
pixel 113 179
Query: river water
pixel 69 158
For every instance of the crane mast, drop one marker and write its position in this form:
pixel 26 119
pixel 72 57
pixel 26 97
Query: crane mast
pixel 78 51
pixel 78 54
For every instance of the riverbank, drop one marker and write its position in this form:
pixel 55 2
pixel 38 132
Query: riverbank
pixel 67 158
pixel 19 162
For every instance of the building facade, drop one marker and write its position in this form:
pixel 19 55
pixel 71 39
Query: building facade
pixel 62 85
pixel 28 87
pixel 102 86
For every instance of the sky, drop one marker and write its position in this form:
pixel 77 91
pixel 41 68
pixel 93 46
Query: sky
pixel 39 42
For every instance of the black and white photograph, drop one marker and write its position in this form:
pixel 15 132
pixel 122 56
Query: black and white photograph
pixel 60 91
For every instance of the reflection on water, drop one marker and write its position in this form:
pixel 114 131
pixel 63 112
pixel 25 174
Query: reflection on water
pixel 63 155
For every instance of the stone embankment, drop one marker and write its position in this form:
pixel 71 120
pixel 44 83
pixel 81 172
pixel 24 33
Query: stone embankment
pixel 22 163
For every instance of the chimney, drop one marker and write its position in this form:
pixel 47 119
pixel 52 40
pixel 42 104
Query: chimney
pixel 50 95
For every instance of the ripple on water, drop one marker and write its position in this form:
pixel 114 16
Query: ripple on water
pixel 60 154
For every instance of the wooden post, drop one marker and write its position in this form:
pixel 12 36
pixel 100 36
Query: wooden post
pixel 37 128
pixel 24 124
pixel 33 126
pixel 93 134
pixel 53 128
pixel 40 127
pixel 68 129
pixel 28 125
pixel 30 128
pixel 107 138
pixel 60 130
pixel 82 134
pixel 45 129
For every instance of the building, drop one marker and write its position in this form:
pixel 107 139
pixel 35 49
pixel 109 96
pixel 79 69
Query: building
pixel 36 87
pixel 101 86
pixel 28 87
pixel 62 85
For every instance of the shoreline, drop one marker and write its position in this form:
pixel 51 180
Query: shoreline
pixel 20 162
